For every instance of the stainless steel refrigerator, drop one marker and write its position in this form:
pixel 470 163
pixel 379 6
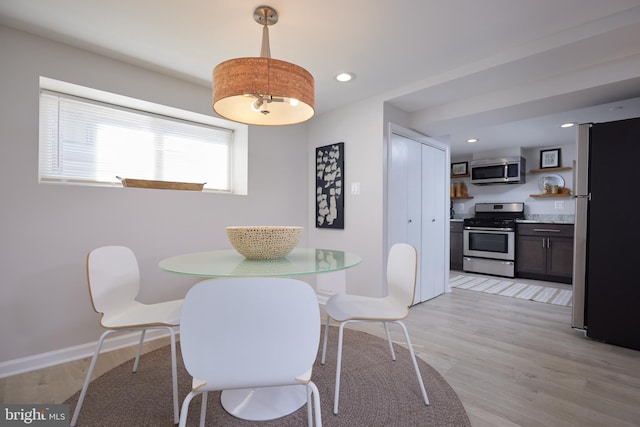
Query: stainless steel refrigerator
pixel 606 272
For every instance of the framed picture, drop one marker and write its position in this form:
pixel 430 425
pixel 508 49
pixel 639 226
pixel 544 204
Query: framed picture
pixel 330 186
pixel 458 169
pixel 550 158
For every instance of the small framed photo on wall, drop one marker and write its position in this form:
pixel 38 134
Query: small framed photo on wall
pixel 459 169
pixel 550 158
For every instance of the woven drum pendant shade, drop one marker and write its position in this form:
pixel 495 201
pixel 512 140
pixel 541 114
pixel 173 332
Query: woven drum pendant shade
pixel 233 80
pixel 261 90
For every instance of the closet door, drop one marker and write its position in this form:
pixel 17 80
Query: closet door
pixel 404 196
pixel 434 224
pixel 418 207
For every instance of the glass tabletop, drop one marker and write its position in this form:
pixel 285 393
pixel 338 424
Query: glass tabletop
pixel 229 263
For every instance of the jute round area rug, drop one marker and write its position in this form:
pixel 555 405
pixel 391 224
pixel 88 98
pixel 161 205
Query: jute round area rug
pixel 375 392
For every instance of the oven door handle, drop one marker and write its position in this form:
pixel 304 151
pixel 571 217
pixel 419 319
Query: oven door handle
pixel 488 229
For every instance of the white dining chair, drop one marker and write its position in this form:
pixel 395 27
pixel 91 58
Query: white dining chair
pixel 113 276
pixel 250 333
pixel 345 309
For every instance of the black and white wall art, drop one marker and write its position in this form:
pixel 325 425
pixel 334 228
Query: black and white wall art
pixel 330 186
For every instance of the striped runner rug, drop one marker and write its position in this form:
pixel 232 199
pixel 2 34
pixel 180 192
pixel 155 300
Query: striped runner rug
pixel 509 288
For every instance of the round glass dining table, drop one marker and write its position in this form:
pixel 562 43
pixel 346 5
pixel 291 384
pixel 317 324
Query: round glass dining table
pixel 264 403
pixel 229 263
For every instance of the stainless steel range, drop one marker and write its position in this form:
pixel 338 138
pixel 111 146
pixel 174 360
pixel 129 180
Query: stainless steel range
pixel 489 239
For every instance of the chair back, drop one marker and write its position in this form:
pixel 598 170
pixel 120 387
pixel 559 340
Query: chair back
pixel 249 332
pixel 402 268
pixel 113 277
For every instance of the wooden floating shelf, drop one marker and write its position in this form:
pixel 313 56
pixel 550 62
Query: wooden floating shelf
pixel 547 170
pixel 460 176
pixel 551 195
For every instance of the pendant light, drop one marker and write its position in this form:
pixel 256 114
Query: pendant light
pixel 261 90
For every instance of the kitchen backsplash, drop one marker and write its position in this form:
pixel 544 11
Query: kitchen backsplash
pixel 546 209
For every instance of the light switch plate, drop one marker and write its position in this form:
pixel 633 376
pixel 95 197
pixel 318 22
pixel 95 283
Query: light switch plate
pixel 559 204
pixel 355 188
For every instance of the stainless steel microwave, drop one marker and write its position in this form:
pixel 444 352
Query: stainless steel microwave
pixel 510 170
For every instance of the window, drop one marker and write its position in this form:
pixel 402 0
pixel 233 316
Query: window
pixel 94 138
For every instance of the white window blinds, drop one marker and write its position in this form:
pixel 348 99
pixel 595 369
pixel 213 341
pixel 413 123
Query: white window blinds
pixel 90 142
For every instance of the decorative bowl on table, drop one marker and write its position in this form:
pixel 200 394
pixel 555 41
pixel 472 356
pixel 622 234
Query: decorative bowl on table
pixel 264 241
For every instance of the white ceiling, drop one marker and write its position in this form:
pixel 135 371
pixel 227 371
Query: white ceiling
pixel 505 71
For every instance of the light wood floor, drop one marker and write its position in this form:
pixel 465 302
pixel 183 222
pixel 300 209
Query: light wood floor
pixel 511 362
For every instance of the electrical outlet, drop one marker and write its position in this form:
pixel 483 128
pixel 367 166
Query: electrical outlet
pixel 559 204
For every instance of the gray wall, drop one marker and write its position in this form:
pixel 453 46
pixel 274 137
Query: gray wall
pixel 47 230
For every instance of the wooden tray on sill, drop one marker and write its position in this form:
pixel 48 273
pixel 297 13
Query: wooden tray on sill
pixel 161 185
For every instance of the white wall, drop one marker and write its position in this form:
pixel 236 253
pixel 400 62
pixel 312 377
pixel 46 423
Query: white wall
pixel 47 230
pixel 360 127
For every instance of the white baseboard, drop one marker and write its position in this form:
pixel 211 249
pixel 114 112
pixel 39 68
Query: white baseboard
pixel 69 354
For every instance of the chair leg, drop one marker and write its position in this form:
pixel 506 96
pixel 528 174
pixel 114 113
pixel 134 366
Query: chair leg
pixel 174 375
pixel 135 364
pixel 316 403
pixel 413 358
pixel 203 408
pixel 309 407
pixel 386 329
pixel 338 368
pixel 185 407
pixel 87 379
pixel 324 342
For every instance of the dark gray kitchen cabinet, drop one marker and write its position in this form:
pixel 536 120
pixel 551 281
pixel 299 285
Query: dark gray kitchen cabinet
pixel 545 252
pixel 455 245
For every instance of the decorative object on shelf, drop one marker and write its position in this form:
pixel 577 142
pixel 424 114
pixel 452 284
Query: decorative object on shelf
pixel 459 169
pixel 550 158
pixel 459 190
pixel 330 186
pixel 548 183
pixel 261 90
pixel 264 242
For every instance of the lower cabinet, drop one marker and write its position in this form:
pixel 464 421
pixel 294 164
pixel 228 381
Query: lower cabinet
pixel 455 245
pixel 545 252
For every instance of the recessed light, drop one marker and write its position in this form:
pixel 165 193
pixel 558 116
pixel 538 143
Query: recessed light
pixel 567 125
pixel 472 140
pixel 345 77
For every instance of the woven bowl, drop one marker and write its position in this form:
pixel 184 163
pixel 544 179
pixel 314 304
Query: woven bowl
pixel 264 241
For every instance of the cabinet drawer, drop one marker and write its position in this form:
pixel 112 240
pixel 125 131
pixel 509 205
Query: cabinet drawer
pixel 456 226
pixel 546 229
